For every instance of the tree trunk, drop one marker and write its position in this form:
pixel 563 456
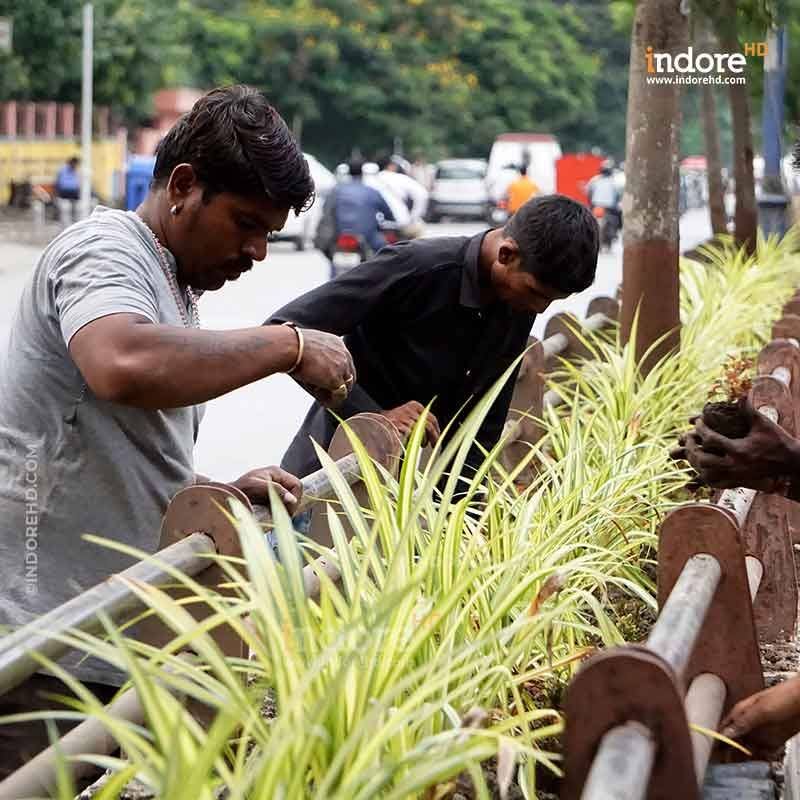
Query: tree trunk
pixel 716 191
pixel 650 204
pixel 746 216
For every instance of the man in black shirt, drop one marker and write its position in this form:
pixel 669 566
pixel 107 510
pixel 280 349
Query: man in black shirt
pixel 441 319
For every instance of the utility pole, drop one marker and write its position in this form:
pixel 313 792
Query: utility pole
pixel 86 110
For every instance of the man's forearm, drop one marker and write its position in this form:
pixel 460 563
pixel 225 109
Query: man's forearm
pixel 170 367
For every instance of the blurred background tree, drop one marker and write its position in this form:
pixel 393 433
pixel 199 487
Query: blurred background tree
pixel 442 76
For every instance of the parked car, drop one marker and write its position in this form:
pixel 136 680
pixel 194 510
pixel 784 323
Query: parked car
pixel 301 228
pixel 459 190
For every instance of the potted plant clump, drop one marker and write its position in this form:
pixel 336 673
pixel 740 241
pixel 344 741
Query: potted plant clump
pixel 724 412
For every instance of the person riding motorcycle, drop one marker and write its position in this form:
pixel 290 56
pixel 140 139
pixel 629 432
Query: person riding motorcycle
pixel 603 193
pixel 353 207
pixel 393 180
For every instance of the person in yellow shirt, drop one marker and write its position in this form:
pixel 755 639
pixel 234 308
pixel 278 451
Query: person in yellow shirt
pixel 521 190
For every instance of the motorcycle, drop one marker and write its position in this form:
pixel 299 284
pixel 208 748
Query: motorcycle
pixel 350 249
pixel 608 223
pixel 498 212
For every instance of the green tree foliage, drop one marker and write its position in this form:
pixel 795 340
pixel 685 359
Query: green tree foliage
pixel 133 44
pixel 446 76
pixel 443 75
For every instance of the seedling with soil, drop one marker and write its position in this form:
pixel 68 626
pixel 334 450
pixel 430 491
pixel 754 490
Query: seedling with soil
pixel 724 413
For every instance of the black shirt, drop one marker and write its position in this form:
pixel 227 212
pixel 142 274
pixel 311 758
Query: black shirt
pixel 414 322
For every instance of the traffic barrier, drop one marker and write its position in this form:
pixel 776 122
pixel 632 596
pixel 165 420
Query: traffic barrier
pixel 564 336
pixel 726 579
pixel 196 525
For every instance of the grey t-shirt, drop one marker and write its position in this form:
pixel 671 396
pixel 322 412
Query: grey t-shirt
pixel 71 463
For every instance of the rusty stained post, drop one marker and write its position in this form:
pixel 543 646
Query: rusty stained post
pixel 562 340
pixel 785 352
pixel 704 636
pixel 788 326
pixel 522 427
pixel 650 203
pixel 382 441
pixel 766 533
pixel 727 644
pixel 617 687
pixel 563 332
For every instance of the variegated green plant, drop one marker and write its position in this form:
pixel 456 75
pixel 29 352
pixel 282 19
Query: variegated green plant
pixel 458 601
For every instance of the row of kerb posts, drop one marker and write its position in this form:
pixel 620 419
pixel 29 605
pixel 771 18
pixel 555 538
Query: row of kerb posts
pixel 726 582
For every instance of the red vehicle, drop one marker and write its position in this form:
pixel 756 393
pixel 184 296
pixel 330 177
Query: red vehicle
pixel 351 248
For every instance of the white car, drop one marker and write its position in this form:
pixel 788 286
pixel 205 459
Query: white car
pixel 459 190
pixel 301 229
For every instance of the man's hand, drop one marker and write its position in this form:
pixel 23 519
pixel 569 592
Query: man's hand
pixel 326 370
pixel 254 485
pixel 762 460
pixel 405 417
pixel 765 720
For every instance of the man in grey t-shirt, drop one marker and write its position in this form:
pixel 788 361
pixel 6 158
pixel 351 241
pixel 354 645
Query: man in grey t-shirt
pixel 107 369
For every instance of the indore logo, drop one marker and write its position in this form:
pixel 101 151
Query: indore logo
pixel 700 67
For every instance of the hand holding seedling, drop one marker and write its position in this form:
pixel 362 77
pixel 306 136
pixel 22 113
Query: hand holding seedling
pixel 405 417
pixel 766 457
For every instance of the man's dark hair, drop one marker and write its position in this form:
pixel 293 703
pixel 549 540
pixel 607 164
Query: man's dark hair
pixel 237 142
pixel 523 170
pixel 74 161
pixel 558 241
pixel 355 166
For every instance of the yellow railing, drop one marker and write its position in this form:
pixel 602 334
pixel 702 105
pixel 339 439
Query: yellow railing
pixel 39 160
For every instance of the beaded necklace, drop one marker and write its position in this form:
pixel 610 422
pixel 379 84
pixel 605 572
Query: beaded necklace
pixel 194 322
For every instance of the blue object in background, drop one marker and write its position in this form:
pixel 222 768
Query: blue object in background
pixel 773 203
pixel 137 180
pixel 774 101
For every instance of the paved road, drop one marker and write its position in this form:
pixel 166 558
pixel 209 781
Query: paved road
pixel 252 426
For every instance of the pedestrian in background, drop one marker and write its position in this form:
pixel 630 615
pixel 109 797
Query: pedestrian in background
pixel 521 190
pixel 67 190
pixel 68 182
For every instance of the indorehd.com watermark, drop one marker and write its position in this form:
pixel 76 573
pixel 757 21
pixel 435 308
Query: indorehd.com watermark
pixel 690 67
pixel 31 481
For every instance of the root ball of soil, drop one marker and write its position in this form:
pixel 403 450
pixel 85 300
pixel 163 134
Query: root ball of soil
pixel 727 419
